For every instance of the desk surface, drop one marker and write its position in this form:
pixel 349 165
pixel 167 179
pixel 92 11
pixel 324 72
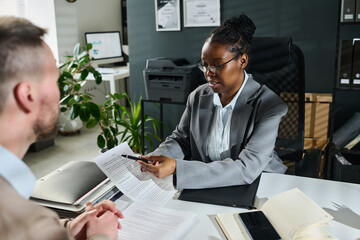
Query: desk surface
pixel 341 200
pixel 122 73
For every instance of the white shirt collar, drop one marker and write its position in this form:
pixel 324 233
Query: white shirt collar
pixel 216 98
pixel 16 172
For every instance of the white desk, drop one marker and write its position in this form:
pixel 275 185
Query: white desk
pixel 327 194
pixel 123 72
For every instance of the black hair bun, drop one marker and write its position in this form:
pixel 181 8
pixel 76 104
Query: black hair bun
pixel 243 25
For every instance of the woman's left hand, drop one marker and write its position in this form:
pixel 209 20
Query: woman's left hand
pixel 159 165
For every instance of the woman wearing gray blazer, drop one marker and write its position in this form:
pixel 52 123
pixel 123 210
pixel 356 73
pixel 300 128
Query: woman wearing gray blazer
pixel 227 133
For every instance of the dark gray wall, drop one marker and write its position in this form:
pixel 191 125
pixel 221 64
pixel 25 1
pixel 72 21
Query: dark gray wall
pixel 311 24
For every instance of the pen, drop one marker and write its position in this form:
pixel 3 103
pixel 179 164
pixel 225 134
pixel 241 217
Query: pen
pixel 134 158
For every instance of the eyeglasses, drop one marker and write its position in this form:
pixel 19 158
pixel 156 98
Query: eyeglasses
pixel 213 69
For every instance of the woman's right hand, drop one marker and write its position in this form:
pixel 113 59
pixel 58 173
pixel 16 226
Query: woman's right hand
pixel 159 165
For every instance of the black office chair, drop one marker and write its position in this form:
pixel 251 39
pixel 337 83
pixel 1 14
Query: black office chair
pixel 279 64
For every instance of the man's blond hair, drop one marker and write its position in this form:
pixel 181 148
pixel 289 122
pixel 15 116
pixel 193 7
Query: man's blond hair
pixel 22 54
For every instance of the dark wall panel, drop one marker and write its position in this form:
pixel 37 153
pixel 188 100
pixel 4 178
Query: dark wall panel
pixel 311 24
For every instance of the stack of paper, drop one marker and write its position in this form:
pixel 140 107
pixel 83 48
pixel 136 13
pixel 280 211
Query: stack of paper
pixel 127 176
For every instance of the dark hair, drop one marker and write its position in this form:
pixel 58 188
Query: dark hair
pixel 21 53
pixel 236 33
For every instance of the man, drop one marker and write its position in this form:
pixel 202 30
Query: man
pixel 29 98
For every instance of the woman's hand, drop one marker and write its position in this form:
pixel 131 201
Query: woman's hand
pixel 159 165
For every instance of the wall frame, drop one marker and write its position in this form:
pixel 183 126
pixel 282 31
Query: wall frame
pixel 167 14
pixel 201 13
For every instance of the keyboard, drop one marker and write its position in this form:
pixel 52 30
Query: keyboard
pixel 112 70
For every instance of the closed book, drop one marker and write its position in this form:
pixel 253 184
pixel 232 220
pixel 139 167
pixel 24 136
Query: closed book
pixel 347 11
pixel 357 11
pixel 346 52
pixel 355 82
pixel 236 196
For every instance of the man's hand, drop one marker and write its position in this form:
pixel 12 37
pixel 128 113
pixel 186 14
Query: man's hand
pixel 159 165
pixel 107 224
pixel 91 221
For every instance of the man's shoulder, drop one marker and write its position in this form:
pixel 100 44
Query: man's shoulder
pixel 24 219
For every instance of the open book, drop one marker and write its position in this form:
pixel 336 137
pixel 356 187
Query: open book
pixel 292 214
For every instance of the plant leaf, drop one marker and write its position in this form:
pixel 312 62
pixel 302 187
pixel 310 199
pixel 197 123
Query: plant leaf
pixel 118 95
pixel 77 87
pixel 84 74
pixel 77 49
pixel 84 114
pixel 101 141
pixel 94 110
pixel 88 46
pixel 107 133
pixel 91 123
pixel 114 130
pixel 74 111
pixel 110 143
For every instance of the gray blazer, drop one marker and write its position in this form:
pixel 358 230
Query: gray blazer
pixel 254 127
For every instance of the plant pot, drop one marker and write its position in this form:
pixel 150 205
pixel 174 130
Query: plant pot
pixel 66 125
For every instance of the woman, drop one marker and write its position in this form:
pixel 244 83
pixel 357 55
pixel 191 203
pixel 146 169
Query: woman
pixel 227 133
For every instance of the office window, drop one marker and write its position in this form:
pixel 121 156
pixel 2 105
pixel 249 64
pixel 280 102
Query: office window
pixel 13 8
pixel 39 12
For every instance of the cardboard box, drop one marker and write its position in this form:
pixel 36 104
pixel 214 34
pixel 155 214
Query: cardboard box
pixel 317 108
pixel 319 143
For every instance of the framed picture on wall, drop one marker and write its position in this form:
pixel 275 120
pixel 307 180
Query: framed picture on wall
pixel 201 13
pixel 167 15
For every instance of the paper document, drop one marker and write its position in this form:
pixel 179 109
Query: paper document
pixel 128 178
pixel 143 222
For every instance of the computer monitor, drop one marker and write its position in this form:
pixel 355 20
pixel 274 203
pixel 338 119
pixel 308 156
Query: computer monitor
pixel 107 49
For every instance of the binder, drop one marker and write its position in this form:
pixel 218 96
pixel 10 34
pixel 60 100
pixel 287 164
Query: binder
pixel 357 11
pixel 67 189
pixel 346 52
pixel 356 65
pixel 347 11
pixel 242 196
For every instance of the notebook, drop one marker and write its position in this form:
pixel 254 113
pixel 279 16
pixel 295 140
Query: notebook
pixel 242 196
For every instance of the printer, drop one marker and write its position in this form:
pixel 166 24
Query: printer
pixel 171 79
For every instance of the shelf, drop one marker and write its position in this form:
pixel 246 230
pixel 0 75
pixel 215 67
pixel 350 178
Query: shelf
pixel 347 89
pixel 349 23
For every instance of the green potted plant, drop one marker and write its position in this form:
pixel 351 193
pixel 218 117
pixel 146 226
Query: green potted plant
pixel 73 101
pixel 131 123
pixel 113 119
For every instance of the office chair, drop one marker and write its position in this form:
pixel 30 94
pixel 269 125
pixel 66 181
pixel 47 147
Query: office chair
pixel 279 64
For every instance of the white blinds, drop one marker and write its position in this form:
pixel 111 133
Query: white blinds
pixel 13 8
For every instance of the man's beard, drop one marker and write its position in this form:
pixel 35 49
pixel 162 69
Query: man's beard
pixel 46 129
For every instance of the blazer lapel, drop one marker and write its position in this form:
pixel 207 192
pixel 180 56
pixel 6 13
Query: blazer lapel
pixel 206 112
pixel 241 115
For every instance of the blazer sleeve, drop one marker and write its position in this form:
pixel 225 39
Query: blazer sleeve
pixel 177 145
pixel 256 156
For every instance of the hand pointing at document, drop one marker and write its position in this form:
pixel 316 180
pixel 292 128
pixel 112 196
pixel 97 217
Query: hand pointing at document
pixel 159 165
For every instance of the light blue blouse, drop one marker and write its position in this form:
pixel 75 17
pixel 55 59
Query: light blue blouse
pixel 219 136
